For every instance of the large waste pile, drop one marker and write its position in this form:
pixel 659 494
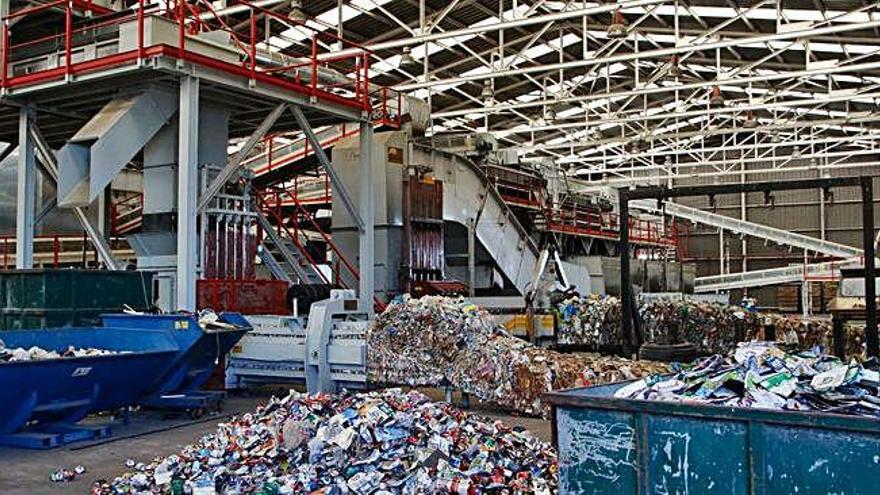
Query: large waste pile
pixel 369 443
pixel 807 333
pixel 594 322
pixel 711 327
pixel 18 354
pixel 762 375
pixel 441 341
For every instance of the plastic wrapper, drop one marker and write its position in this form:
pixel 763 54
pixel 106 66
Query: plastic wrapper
pixel 369 443
pixel 763 375
pixel 440 341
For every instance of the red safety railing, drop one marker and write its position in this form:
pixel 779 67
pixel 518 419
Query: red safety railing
pixel 305 75
pixel 303 191
pixel 272 204
pixel 580 220
pixel 276 159
pixel 126 214
pixel 49 248
pixel 516 187
pixel 389 111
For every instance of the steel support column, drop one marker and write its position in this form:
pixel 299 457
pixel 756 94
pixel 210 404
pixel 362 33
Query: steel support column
pixel 626 290
pixel 472 257
pixel 187 193
pixel 873 343
pixel 26 193
pixel 366 244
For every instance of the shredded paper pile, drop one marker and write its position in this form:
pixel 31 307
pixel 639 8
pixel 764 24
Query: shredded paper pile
pixel 19 354
pixel 441 341
pixel 370 443
pixel 762 375
pixel 594 322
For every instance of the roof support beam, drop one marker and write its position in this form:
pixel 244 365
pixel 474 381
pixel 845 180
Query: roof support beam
pixel 488 28
pixel 658 53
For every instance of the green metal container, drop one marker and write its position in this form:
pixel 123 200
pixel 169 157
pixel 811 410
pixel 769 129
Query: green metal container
pixel 622 447
pixel 63 297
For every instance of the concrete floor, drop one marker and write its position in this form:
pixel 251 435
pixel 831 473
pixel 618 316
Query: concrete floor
pixel 148 435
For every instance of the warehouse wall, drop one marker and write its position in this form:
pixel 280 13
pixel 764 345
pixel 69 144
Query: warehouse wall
pixel 795 211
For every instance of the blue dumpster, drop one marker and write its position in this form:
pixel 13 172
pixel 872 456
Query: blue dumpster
pixel 199 353
pixel 623 446
pixel 49 396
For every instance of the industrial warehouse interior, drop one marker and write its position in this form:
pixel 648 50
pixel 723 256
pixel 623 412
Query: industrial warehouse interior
pixel 379 247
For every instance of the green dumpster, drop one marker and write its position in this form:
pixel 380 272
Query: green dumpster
pixel 622 446
pixel 51 298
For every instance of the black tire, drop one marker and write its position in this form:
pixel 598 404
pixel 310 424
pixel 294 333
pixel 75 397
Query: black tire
pixel 682 353
pixel 196 413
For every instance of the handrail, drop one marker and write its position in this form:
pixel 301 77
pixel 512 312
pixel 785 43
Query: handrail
pixel 192 18
pixel 299 208
pixel 55 239
pixel 294 239
pixel 261 197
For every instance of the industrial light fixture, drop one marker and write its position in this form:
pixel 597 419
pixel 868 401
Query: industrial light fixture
pixel 716 99
pixel 406 58
pixel 674 70
pixel 617 28
pixel 796 152
pixel 296 11
pixel 488 92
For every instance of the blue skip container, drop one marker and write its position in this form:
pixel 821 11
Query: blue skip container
pixel 177 387
pixel 628 447
pixel 50 396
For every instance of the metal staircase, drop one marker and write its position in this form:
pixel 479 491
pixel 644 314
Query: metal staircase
pixel 286 257
pixel 276 157
pixel 743 227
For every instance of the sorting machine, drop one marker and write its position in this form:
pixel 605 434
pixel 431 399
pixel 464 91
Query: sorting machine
pixel 326 351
